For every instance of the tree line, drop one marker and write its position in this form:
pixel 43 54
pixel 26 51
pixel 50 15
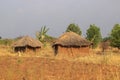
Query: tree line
pixel 93 34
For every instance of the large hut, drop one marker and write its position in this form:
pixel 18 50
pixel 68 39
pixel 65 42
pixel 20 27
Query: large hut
pixel 27 44
pixel 71 44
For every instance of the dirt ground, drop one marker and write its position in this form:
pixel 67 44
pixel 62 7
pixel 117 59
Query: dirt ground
pixel 46 66
pixel 38 68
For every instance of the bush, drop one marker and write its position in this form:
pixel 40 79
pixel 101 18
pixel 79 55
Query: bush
pixel 6 42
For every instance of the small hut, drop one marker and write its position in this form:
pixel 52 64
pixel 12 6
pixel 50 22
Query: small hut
pixel 71 44
pixel 27 44
pixel 105 45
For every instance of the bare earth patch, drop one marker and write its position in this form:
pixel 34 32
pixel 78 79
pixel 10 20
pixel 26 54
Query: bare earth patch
pixel 33 68
pixel 45 66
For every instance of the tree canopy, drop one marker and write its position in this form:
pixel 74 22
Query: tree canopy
pixel 94 35
pixel 74 28
pixel 115 36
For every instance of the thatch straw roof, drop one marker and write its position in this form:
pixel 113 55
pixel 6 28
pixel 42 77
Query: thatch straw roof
pixel 27 41
pixel 71 39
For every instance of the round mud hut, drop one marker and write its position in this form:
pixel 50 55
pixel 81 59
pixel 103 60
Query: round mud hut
pixel 71 44
pixel 27 44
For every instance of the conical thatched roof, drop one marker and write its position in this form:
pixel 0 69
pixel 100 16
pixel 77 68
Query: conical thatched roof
pixel 27 41
pixel 71 39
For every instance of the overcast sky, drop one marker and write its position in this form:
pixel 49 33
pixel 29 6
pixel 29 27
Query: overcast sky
pixel 25 17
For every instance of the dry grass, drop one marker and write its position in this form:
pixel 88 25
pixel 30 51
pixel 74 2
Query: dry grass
pixel 110 57
pixel 45 66
pixel 6 51
pixel 32 68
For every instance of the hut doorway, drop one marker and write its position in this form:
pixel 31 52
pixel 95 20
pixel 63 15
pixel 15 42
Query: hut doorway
pixel 56 50
pixel 19 49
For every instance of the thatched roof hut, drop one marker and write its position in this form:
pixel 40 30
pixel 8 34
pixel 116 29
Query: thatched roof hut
pixel 105 45
pixel 71 43
pixel 26 43
pixel 71 39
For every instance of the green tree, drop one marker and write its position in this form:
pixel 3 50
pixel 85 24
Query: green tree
pixel 74 28
pixel 106 39
pixel 94 35
pixel 42 34
pixel 115 36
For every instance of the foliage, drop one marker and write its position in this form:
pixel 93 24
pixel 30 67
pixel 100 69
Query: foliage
pixel 6 42
pixel 94 35
pixel 106 39
pixel 115 36
pixel 19 37
pixel 74 28
pixel 42 35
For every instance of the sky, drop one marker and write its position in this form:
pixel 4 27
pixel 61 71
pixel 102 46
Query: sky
pixel 26 17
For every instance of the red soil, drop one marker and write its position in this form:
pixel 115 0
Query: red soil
pixel 33 68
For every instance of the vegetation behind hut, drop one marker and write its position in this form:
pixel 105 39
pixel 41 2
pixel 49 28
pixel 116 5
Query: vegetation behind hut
pixel 74 28
pixel 115 36
pixel 94 35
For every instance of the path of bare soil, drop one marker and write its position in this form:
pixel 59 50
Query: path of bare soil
pixel 36 68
